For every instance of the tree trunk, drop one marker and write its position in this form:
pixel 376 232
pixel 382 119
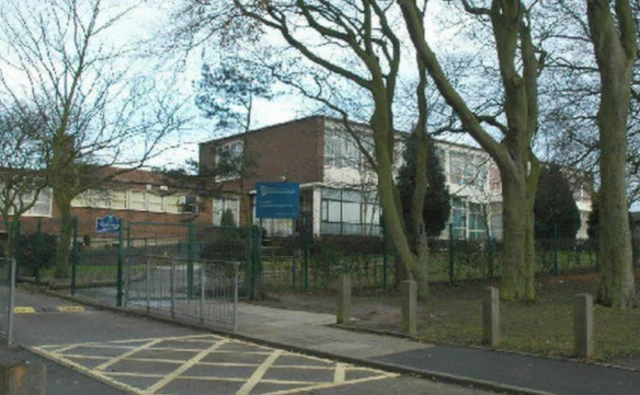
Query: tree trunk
pixel 64 241
pixel 518 270
pixel 615 50
pixel 617 286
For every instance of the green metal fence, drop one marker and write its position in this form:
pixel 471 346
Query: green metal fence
pixel 7 297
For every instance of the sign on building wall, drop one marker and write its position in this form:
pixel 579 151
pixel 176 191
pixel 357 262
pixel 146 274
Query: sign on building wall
pixel 277 200
pixel 108 224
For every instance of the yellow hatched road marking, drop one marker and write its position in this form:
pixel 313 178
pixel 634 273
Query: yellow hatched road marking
pixel 173 375
pixel 260 371
pixel 24 310
pixel 211 346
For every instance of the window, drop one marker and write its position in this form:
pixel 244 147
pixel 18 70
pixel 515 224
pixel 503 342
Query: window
pixel 221 205
pixel 229 160
pixel 154 203
pixel 118 200
pixel 477 229
pixel 42 207
pixel 172 203
pixel 458 219
pixel 349 213
pixel 467 169
pixel 340 150
pixel 137 200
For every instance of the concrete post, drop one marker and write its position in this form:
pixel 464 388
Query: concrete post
pixel 343 302
pixel 409 308
pixel 491 317
pixel 583 325
pixel 23 379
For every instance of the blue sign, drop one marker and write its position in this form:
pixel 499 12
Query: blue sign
pixel 278 200
pixel 108 224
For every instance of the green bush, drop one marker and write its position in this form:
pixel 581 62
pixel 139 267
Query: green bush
pixel 28 252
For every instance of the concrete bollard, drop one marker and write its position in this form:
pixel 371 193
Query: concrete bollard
pixel 409 308
pixel 583 325
pixel 343 302
pixel 491 317
pixel 23 379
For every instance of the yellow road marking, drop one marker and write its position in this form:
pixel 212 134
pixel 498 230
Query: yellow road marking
pixel 24 310
pixel 339 374
pixel 91 373
pixel 327 385
pixel 129 353
pixel 339 378
pixel 173 375
pixel 257 375
pixel 70 309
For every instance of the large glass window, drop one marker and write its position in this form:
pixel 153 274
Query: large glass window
pixel 349 213
pixel 458 219
pixel 477 228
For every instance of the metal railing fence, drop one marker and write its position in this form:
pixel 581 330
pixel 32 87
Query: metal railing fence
pixel 202 289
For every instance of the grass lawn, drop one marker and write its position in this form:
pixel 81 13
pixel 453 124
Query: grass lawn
pixel 544 327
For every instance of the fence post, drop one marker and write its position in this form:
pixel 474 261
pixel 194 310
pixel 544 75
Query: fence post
pixel 583 325
pixel 235 297
pixel 120 264
pixel 172 285
pixel 12 300
pixel 74 256
pixel 343 302
pixel 385 260
pixel 305 263
pixel 190 258
pixel 409 307
pixel 451 254
pixel 255 266
pixel 148 285
pixel 127 261
pixel 491 317
pixel 16 244
pixel 203 280
pixel 248 267
pixel 555 250
pixel 36 272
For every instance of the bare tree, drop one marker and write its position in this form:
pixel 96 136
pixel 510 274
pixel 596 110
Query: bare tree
pixel 22 178
pixel 519 66
pixel 102 109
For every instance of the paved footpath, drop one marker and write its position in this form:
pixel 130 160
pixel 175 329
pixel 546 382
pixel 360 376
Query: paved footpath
pixel 141 356
pixel 512 371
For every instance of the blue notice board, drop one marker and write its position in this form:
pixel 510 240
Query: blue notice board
pixel 278 200
pixel 108 224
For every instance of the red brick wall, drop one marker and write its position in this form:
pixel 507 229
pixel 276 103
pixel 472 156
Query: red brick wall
pixel 293 149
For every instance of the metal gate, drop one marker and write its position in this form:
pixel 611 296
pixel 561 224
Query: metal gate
pixel 204 289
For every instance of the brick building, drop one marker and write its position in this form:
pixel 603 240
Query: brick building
pixel 338 188
pixel 136 195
